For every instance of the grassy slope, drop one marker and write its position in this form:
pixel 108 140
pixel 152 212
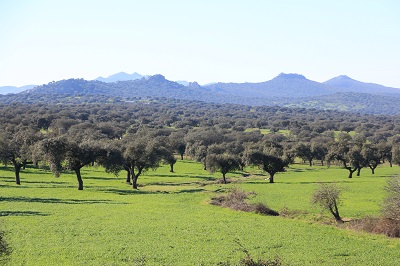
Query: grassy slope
pixel 168 221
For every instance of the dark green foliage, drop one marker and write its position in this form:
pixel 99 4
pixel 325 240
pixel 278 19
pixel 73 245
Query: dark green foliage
pixel 223 163
pixel 269 163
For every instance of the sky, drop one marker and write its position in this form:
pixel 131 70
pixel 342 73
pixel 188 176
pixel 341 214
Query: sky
pixel 199 40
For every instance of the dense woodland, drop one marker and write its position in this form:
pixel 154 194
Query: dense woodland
pixel 138 136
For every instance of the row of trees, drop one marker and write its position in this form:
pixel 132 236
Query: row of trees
pixel 220 150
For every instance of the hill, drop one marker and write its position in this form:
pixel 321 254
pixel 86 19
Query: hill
pixel 13 89
pixel 289 90
pixel 345 84
pixel 284 85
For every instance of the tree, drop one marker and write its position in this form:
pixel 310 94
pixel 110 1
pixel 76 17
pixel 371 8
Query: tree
pixel 319 148
pixel 176 140
pixel 371 156
pixel 170 159
pixel 396 153
pixel 346 153
pixel 224 163
pixel 269 163
pixel 198 141
pixel 385 150
pixel 327 197
pixel 303 150
pixel 141 153
pixel 16 148
pixel 75 153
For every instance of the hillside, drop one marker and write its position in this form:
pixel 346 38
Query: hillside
pixel 290 90
pixel 13 89
pixel 345 84
pixel 284 85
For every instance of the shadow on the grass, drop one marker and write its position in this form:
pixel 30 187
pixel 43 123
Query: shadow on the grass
pixel 53 200
pixel 22 213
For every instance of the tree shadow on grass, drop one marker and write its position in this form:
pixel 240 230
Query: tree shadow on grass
pixel 131 191
pixel 54 200
pixel 22 213
pixel 101 178
pixel 141 192
pixel 294 182
pixel 194 190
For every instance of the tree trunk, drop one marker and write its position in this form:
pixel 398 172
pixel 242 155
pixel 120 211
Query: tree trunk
pixel 335 213
pixel 271 178
pixel 223 176
pixel 134 181
pixel 351 171
pixel 372 169
pixel 322 162
pixel 17 169
pixel 358 171
pixel 310 162
pixel 172 167
pixel 181 156
pixel 128 177
pixel 79 178
pixel 390 163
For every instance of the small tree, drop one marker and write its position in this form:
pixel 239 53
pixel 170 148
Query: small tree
pixel 141 153
pixel 327 197
pixel 269 163
pixel 223 163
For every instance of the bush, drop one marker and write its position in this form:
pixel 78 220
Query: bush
pixel 391 206
pixel 389 223
pixel 327 196
pixel 236 200
pixel 263 209
pixel 377 225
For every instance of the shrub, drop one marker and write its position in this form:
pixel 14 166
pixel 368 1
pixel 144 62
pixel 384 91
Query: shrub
pixel 391 206
pixel 236 200
pixel 377 225
pixel 265 210
pixel 327 196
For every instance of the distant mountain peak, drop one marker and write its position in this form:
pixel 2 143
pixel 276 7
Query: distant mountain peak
pixel 290 76
pixel 121 76
pixel 343 78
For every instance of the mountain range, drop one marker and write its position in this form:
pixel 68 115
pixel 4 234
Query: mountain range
pixel 13 89
pixel 291 90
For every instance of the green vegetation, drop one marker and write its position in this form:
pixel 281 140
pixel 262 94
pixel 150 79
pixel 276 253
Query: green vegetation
pixel 169 221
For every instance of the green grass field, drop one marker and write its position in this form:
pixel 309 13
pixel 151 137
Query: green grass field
pixel 168 221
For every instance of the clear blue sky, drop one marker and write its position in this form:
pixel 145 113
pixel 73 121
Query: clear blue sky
pixel 199 40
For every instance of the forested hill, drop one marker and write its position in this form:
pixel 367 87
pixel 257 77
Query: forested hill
pixel 341 93
pixel 284 85
pixel 345 84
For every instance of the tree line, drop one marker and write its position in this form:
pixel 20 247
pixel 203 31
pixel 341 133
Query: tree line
pixel 136 137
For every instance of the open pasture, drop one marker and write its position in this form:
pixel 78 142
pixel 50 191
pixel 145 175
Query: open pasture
pixel 169 221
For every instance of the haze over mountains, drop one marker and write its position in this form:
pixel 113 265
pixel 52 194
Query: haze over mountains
pixel 291 90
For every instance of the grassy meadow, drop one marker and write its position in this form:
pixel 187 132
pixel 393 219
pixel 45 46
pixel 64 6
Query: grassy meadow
pixel 169 221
